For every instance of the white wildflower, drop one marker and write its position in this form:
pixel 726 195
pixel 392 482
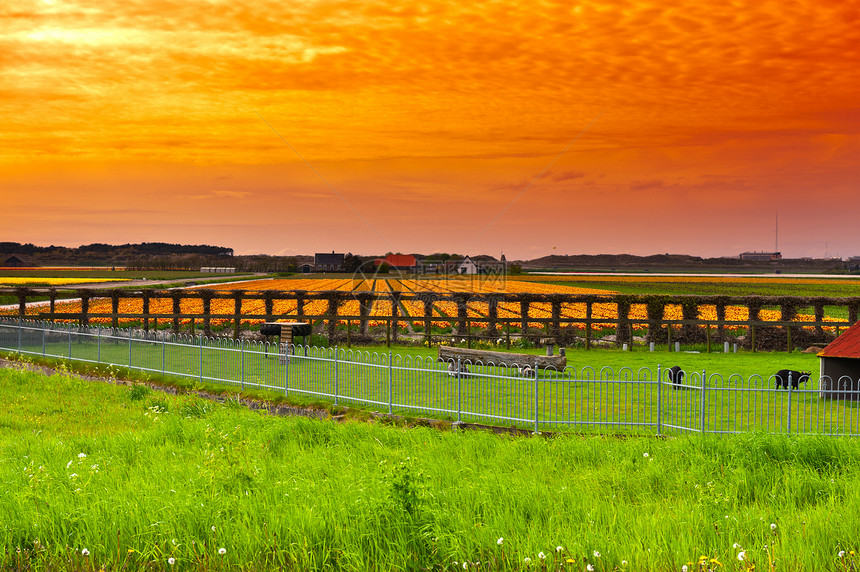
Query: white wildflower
pixel 171 560
pixel 500 541
pixel 559 548
pixel 742 555
pixel 646 455
pixel 541 555
pixel 841 554
pixel 85 552
pixel 82 455
pixel 590 568
pixel 596 554
pixel 773 527
pixel 684 568
pixel 527 560
pixel 222 551
pixel 465 565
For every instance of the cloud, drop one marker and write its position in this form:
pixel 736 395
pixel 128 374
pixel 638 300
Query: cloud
pixel 566 175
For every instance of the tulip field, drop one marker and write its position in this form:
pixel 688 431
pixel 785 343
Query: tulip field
pixel 412 310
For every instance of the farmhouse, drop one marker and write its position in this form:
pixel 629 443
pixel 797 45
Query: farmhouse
pixel 325 262
pixel 306 268
pixel 15 262
pixel 840 366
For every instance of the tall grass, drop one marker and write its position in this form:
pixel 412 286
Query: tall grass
pixel 136 478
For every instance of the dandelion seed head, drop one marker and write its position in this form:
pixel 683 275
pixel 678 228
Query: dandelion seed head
pixel 773 526
pixel 596 554
pixel 82 455
pixel 171 560
pixel 465 565
pixel 541 555
pixel 222 551
pixel 684 568
pixel 85 552
pixel 841 554
pixel 646 455
pixel 527 560
pixel 559 548
pixel 500 541
pixel 590 568
pixel 742 555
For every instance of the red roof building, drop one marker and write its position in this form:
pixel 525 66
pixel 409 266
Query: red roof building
pixel 840 366
pixel 399 261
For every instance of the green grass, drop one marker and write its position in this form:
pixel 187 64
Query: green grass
pixel 139 477
pixel 740 395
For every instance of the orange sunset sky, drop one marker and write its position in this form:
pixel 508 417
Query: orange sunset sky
pixel 528 128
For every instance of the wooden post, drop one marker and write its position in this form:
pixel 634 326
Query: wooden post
pixel 524 316
pixel 395 313
pixel 206 295
pixel 53 304
pixel 177 309
pixel 269 304
pixel 145 310
pixel 588 310
pixel 428 320
pixel 331 316
pixel 237 312
pixel 85 308
pixel 492 315
pixel 22 302
pixel 114 310
pixel 555 305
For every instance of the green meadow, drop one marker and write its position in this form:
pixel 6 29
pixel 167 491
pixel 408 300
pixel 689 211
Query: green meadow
pixel 101 476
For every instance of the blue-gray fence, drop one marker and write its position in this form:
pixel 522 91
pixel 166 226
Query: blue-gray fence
pixel 587 399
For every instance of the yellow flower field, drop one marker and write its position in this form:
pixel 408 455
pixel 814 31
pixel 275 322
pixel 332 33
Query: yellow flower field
pixel 444 312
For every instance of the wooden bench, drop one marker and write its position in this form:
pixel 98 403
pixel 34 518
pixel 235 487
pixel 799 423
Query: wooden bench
pixel 486 357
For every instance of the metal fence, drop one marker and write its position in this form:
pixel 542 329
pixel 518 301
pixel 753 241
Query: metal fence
pixel 595 400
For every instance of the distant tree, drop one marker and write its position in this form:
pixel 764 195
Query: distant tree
pixel 351 262
pixel 383 268
pixel 515 269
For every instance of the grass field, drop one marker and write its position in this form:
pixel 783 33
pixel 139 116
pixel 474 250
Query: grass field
pixel 604 390
pixel 104 477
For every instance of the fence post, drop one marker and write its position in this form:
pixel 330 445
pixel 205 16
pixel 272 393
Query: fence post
pixel 659 400
pixel 163 344
pixel 44 330
pixel 70 342
pixel 98 342
pixel 19 335
pixel 201 358
pixel 242 351
pixel 335 374
pixel 129 348
pixel 390 375
pixel 789 403
pixel 459 388
pixel 536 400
pixel 702 403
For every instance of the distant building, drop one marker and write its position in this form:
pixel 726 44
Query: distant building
pixel 325 262
pixel 402 262
pixel 306 268
pixel 761 256
pixel 840 366
pixel 15 261
pixel 467 266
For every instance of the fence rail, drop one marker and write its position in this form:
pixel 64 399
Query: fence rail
pixel 347 317
pixel 603 400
